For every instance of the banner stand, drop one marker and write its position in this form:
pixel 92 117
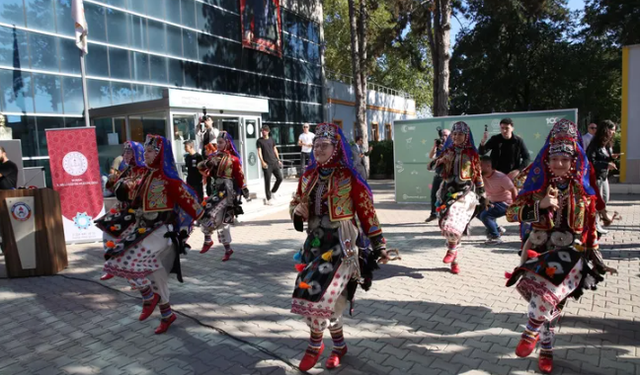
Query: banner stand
pixel 75 173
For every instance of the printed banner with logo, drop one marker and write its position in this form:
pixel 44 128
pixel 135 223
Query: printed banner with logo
pixel 261 25
pixel 75 173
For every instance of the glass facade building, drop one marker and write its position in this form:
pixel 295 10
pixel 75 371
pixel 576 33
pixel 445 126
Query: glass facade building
pixel 137 49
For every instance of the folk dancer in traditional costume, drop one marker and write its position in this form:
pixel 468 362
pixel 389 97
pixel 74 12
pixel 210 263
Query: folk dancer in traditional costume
pixel 462 189
pixel 344 241
pixel 132 170
pixel 163 208
pixel 223 205
pixel 560 256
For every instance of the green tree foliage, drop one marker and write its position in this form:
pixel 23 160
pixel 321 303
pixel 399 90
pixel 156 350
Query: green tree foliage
pixel 525 55
pixel 618 20
pixel 388 63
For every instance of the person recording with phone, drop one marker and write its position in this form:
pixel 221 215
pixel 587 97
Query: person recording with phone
pixel 509 154
pixel 207 135
pixel 436 150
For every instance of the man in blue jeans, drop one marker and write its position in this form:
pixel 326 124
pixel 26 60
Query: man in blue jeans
pixel 501 192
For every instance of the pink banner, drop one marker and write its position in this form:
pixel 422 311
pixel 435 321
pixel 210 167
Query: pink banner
pixel 75 173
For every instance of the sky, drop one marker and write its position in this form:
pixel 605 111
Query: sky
pixel 456 26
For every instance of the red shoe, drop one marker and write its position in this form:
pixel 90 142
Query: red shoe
pixel 334 359
pixel 164 324
pixel 106 276
pixel 526 346
pixel 309 360
pixel 206 246
pixel 227 255
pixel 545 364
pixel 455 268
pixel 450 257
pixel 147 310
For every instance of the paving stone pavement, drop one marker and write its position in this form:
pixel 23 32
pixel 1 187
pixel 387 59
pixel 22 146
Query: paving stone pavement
pixel 234 317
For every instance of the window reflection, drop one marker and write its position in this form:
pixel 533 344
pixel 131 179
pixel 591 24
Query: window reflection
pixel 174 41
pixel 140 66
pixel 16 91
pixel 96 61
pixel 190 43
pixel 175 72
pixel 63 15
pixel 24 128
pixel 73 122
pixel 95 17
pixel 12 12
pixel 99 93
pixel 47 97
pixel 173 11
pixel 158 69
pixel 119 63
pixel 116 24
pixel 40 15
pixel 188 13
pixel 155 8
pixel 137 6
pixel 44 54
pixel 9 55
pixel 121 93
pixel 69 56
pixel 157 41
pixel 46 123
pixel 138 32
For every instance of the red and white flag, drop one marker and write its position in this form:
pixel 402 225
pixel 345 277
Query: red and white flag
pixel 77 12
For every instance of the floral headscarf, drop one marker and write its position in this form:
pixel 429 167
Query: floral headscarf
pixel 563 138
pixel 341 157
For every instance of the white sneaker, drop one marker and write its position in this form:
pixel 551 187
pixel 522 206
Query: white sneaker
pixel 494 241
pixel 502 230
pixel 268 202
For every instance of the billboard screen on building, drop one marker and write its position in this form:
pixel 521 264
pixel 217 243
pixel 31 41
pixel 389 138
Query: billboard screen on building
pixel 262 25
pixel 413 139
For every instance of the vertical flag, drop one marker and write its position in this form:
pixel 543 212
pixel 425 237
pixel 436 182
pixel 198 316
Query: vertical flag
pixel 77 12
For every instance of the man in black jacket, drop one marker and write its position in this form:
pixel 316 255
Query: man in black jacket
pixel 509 154
pixel 8 172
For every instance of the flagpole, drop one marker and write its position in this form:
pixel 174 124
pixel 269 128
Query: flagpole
pixel 85 96
pixel 82 29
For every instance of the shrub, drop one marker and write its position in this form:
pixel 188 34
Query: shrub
pixel 381 157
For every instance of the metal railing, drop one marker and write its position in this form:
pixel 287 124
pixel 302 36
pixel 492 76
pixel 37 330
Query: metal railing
pixel 346 79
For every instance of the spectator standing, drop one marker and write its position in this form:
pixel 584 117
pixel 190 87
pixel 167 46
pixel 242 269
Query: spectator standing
pixel 587 138
pixel 8 172
pixel 305 140
pixel 271 163
pixel 509 154
pixel 208 135
pixel 501 193
pixel 601 156
pixel 436 150
pixel 359 153
pixel 191 160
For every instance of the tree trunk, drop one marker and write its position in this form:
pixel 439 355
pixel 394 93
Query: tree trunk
pixel 357 64
pixel 439 43
pixel 361 105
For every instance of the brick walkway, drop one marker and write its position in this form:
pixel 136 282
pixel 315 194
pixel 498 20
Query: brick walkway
pixel 234 317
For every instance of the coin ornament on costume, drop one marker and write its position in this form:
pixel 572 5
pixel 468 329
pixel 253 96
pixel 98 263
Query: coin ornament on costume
pixel 75 164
